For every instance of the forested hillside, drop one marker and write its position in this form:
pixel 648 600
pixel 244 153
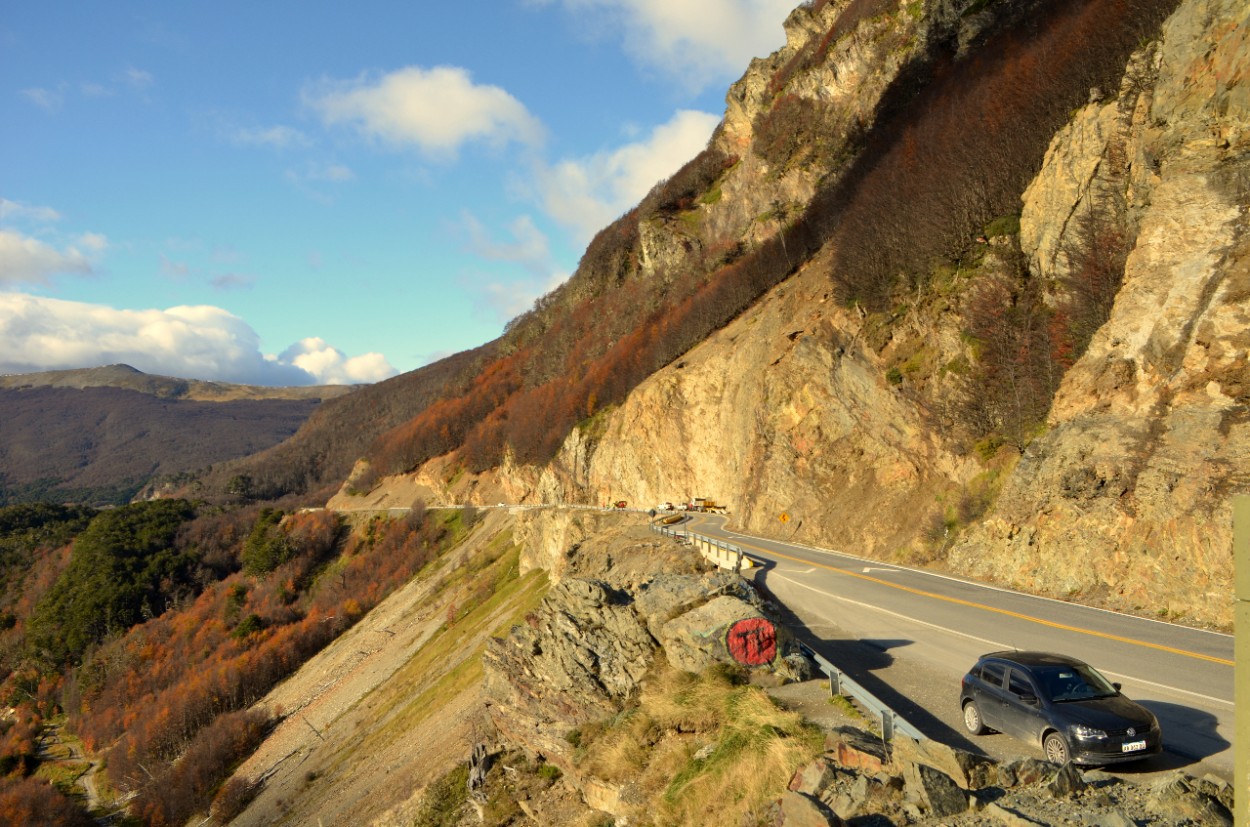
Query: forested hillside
pixel 149 630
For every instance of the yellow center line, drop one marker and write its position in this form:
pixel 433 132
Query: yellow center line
pixel 974 605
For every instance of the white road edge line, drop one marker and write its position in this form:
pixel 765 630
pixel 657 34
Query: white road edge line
pixel 967 582
pixel 996 644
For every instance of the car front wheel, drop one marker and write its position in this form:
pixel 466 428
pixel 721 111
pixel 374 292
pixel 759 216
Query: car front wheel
pixel 972 719
pixel 1056 748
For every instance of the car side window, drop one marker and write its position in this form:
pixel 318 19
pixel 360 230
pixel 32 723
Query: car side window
pixel 992 673
pixel 1020 685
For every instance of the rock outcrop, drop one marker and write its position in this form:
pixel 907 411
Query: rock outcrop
pixel 857 778
pixel 1126 496
pixel 583 654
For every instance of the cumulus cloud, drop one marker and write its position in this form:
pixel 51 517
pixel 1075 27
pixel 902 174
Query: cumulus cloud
pixel 585 194
pixel 696 42
pixel 333 367
pixel 24 259
pixel 200 342
pixel 437 110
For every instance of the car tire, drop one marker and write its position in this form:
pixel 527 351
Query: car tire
pixel 1056 749
pixel 972 719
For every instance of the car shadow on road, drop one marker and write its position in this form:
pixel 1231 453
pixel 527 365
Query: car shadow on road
pixel 1189 737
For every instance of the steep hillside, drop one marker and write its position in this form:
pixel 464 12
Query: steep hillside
pixel 100 435
pixel 999 251
pixel 101 445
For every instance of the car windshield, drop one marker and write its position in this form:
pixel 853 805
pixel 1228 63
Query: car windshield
pixel 1076 682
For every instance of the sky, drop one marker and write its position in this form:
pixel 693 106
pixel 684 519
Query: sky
pixel 290 193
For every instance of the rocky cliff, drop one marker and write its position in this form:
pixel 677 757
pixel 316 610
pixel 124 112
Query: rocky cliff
pixel 844 423
pixel 1126 496
pixel 790 413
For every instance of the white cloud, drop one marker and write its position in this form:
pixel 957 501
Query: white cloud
pixel 95 90
pixel 586 194
pixel 199 342
pixel 327 173
pixel 28 260
pixel 278 137
pixel 17 211
pixel 528 246
pixel 333 367
pixel 49 100
pixel 437 110
pixel 138 79
pixel 505 300
pixel 696 42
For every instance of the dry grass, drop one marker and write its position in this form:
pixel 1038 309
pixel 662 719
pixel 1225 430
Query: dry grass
pixel 747 748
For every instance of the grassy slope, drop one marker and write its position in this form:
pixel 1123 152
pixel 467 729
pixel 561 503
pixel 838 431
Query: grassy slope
pixel 395 702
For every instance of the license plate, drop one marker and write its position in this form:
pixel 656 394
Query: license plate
pixel 1133 746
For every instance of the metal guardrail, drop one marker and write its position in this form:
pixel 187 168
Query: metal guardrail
pixel 840 683
pixel 710 545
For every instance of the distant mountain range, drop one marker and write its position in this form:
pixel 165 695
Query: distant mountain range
pixel 99 435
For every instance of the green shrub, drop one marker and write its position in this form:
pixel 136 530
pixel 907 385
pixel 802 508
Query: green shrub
pixel 444 799
pixel 267 547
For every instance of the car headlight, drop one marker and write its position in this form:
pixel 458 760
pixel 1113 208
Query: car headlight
pixel 1088 733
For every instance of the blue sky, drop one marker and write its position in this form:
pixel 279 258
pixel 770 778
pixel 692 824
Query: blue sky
pixel 297 192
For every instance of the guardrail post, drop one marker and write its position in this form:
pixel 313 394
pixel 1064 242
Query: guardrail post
pixel 887 727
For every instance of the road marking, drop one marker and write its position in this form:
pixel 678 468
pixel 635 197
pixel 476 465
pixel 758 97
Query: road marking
pixel 1007 612
pixel 868 569
pixel 965 581
pixel 1167 688
pixel 994 644
pixel 988 642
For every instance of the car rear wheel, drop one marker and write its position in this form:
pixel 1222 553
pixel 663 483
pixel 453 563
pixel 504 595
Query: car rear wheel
pixel 972 719
pixel 1056 748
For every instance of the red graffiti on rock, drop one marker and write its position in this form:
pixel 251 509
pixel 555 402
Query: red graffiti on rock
pixel 752 642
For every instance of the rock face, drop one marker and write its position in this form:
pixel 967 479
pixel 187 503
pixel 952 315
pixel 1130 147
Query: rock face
pixel 581 656
pixel 788 414
pixel 1126 496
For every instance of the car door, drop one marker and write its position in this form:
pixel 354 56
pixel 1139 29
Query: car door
pixel 989 699
pixel 1021 709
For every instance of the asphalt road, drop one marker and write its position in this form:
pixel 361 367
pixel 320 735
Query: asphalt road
pixel 910 635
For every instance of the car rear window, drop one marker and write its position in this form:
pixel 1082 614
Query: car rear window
pixel 992 673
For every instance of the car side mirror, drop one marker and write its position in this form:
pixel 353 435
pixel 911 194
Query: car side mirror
pixel 1116 686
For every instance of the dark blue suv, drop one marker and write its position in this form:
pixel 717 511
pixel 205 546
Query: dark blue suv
pixel 1060 704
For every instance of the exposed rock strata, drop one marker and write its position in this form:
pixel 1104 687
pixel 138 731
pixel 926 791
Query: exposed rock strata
pixel 581 657
pixel 787 414
pixel 1149 433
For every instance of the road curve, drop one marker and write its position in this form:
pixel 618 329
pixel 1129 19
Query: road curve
pixel 933 624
